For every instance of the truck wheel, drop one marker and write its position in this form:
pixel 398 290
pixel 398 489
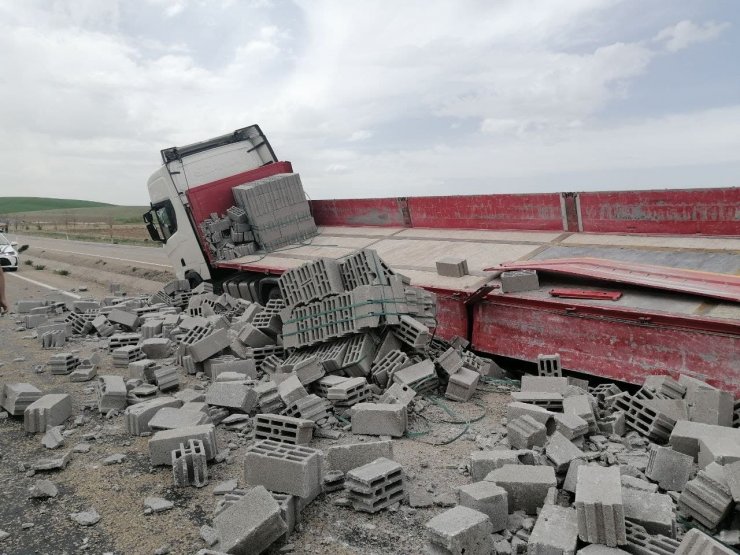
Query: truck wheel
pixel 193 278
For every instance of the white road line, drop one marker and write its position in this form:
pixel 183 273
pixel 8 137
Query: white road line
pixel 108 257
pixel 29 280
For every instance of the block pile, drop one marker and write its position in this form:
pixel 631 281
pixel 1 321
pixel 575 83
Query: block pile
pixel 269 213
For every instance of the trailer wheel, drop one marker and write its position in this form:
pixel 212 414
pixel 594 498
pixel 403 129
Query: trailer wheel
pixel 193 278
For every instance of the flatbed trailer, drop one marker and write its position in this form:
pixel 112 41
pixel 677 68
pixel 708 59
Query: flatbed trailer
pixel 674 255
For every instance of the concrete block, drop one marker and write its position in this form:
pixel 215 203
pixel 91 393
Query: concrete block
pixel 718 449
pixel 124 318
pixel 669 468
pixel 111 393
pixel 459 531
pixel 137 416
pixel 250 525
pixel 652 511
pixel 561 451
pixel 580 405
pixel 543 416
pixel 525 432
pixel 189 464
pixel 706 500
pixel 344 458
pixel 732 477
pixel 638 484
pixel 398 394
pixel 712 406
pixel 379 419
pixel 452 266
pixel 171 418
pixel 555 532
pixel 571 425
pixel 292 469
pixel 461 385
pixel 640 542
pixel 450 361
pixel 549 365
pixel 167 377
pixel 163 443
pixel 375 485
pixel 546 400
pixel 686 435
pixel 483 463
pixel 308 370
pixel 519 280
pixel 526 485
pixel 665 385
pixel 230 395
pixel 283 429
pixel 291 389
pixel 489 499
pixel 203 344
pixel 46 412
pixel 599 506
pixel 571 477
pixel 252 337
pixel 157 348
pixel 696 542
pixel 549 384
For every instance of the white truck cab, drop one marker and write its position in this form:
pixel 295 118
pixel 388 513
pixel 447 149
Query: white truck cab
pixel 186 168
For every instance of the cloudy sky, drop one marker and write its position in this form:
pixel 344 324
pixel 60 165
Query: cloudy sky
pixel 381 98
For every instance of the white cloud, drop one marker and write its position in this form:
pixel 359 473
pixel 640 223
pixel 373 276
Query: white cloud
pixel 685 33
pixel 360 135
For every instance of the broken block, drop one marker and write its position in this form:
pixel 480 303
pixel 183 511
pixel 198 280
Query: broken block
pixel 251 524
pixel 555 532
pixel 489 499
pixel 459 531
pixel 189 464
pixel 46 412
pixel 284 468
pixel 526 485
pixel 375 485
pixel 379 419
pixel 525 432
pixel 599 506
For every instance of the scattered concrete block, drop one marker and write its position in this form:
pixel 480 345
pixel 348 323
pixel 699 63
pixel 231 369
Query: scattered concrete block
pixel 46 412
pixel 544 384
pixel 163 443
pixel 549 365
pixel 379 419
pixel 17 397
pixel 525 485
pixel 711 406
pixel 525 432
pixel 483 463
pixel 452 266
pixel 251 524
pixel 291 389
pixel 137 416
pixel 599 506
pixel 292 469
pixel 580 405
pixel 230 395
pixel 111 393
pixel 158 504
pixel 489 499
pixel 652 511
pixel 665 385
pixel 638 484
pixel 561 451
pixel 352 455
pixel 686 435
pixel 171 418
pixel 732 477
pixel 375 485
pixel 706 500
pixel 571 477
pixel 571 425
pixel 669 468
pixel 596 549
pixel 157 348
pixel 543 416
pixel 459 531
pixel 461 385
pixel 555 532
pixel 519 280
pixel 189 464
pixel 283 429
pixel 544 399
pixel 718 449
pixel 696 542
pixel 53 438
pixel 641 543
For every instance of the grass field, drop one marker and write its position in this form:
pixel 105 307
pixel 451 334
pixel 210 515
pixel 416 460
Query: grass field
pixel 10 205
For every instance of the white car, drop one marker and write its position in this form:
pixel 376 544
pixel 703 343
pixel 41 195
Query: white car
pixel 8 254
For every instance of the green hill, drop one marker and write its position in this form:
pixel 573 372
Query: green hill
pixel 10 205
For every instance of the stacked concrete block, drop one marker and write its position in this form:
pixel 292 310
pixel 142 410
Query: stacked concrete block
pixel 359 355
pixel 233 396
pixel 452 266
pixel 167 377
pixel 561 452
pixel 285 468
pixel 652 511
pixel 364 267
pixel 459 531
pixel 123 356
pixel 706 500
pixel 555 532
pixel 669 468
pixel 311 281
pixel 111 393
pixel 349 392
pixel 251 524
pixel 379 419
pixel 190 465
pixel 527 486
pixel 525 432
pixel 640 542
pixel 599 506
pixel 375 485
pixel 163 443
pixel 138 416
pixel 489 499
pixel 519 280
pixel 549 365
pixel 46 412
pixel 63 363
pixel 344 458
pixel 283 429
pixel 696 542
pixel 462 384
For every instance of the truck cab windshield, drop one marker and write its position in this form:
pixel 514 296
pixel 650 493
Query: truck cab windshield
pixel 161 221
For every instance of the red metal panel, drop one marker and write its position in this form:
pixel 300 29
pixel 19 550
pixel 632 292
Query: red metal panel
pixel 384 212
pixel 452 314
pixel 216 196
pixel 705 211
pixel 607 346
pixel 534 212
pixel 566 293
pixel 706 284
